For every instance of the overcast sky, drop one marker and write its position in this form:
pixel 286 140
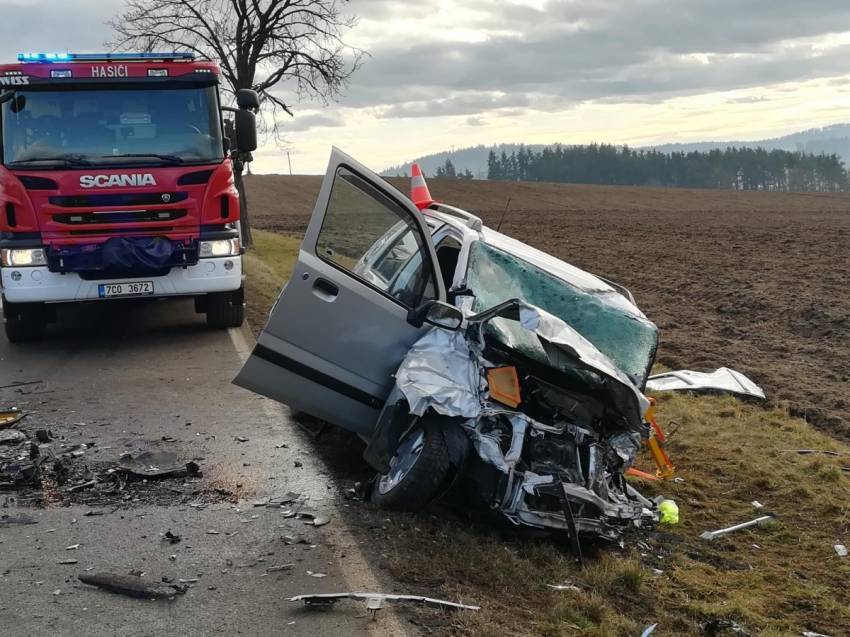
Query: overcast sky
pixel 445 73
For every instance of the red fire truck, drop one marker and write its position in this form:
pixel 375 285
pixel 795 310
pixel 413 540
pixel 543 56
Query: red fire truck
pixel 116 181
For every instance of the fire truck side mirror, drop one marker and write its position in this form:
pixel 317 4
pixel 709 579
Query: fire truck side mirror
pixel 247 99
pixel 246 131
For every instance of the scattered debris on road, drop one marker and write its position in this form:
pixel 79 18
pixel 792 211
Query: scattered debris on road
pixel 710 535
pixel 157 464
pixel 9 417
pixel 329 599
pixel 171 538
pixel 17 520
pixel 132 586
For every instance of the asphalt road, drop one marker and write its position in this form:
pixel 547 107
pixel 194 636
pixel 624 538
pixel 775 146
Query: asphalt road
pixel 123 376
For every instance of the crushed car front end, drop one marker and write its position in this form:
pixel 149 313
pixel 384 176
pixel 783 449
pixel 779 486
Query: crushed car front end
pixel 545 381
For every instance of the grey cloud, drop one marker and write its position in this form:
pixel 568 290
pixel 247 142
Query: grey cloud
pixel 747 100
pixel 465 103
pixel 475 121
pixel 54 26
pixel 577 50
pixel 306 122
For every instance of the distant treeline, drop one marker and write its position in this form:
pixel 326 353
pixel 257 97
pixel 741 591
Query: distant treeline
pixel 735 168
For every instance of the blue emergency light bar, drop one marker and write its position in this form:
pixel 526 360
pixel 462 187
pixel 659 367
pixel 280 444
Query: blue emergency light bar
pixel 99 57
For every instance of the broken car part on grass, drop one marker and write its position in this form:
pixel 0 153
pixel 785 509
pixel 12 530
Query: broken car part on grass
pixel 467 360
pixel 329 599
pixel 710 535
pixel 723 380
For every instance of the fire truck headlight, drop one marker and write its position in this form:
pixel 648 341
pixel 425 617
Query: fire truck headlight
pixel 16 257
pixel 220 248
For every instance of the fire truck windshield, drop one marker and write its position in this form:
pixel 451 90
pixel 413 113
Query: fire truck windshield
pixel 113 127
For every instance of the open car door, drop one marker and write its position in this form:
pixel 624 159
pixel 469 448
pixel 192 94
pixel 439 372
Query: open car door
pixel 340 327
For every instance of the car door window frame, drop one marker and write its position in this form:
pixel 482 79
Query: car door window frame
pixel 369 189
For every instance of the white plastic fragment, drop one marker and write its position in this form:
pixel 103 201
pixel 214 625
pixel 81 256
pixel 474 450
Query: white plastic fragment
pixel 722 380
pixel 330 598
pixel 710 535
pixel 649 630
pixel 841 550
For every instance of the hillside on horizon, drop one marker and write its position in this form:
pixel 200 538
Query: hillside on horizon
pixel 834 139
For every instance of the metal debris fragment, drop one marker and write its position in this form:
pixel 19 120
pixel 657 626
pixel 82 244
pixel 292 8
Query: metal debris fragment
pixel 132 586
pixel 710 535
pixel 15 520
pixel 157 464
pixel 9 417
pixel 329 599
pixel 11 437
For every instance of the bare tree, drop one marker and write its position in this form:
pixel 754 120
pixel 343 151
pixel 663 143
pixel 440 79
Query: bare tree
pixel 286 50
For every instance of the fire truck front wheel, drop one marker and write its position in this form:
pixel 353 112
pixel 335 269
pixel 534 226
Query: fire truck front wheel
pixel 226 309
pixel 23 322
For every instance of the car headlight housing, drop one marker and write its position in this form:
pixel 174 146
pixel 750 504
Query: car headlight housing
pixel 22 257
pixel 220 248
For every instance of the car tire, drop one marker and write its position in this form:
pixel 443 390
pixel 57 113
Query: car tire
pixel 225 309
pixel 418 471
pixel 23 322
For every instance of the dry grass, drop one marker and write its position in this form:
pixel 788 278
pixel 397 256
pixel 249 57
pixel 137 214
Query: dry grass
pixel 268 265
pixel 778 579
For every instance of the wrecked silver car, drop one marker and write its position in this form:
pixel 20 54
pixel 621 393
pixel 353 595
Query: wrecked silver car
pixel 463 358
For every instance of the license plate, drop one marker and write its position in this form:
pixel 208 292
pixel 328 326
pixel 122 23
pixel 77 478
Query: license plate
pixel 131 288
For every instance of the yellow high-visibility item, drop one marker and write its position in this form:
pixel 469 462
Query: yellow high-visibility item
pixel 669 512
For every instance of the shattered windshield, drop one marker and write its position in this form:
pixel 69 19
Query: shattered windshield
pixel 496 276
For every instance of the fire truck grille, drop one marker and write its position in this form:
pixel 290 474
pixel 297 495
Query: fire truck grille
pixel 113 199
pixel 128 216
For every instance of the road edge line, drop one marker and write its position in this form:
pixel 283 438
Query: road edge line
pixel 356 570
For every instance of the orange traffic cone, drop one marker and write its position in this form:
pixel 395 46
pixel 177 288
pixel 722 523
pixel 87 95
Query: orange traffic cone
pixel 419 193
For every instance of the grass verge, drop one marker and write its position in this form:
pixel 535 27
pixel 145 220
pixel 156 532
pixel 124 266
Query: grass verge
pixel 268 265
pixel 778 579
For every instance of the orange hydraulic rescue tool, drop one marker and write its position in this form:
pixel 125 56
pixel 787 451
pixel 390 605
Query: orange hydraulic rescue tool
pixel 655 443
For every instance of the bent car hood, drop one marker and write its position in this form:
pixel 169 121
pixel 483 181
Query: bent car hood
pixel 441 371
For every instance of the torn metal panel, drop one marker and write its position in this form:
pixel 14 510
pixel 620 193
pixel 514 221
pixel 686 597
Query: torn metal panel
pixel 721 380
pixel 331 598
pixel 439 372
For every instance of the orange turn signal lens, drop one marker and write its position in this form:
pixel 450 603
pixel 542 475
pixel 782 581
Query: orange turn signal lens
pixel 504 385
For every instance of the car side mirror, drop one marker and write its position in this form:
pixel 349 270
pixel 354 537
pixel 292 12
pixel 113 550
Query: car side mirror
pixel 438 314
pixel 247 99
pixel 444 315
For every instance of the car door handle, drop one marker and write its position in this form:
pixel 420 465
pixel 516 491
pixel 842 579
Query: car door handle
pixel 325 290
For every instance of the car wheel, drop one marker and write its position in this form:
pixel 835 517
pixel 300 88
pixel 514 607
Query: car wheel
pixel 24 322
pixel 225 309
pixel 418 470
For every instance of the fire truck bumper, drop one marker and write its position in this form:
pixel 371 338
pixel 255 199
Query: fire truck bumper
pixel 38 284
